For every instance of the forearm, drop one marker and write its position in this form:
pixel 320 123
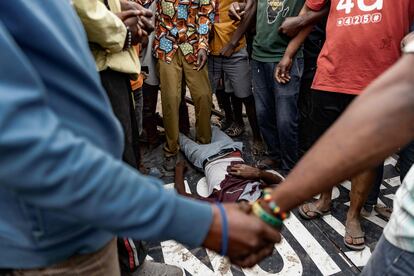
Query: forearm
pixel 380 121
pixel 269 178
pixel 297 42
pixel 311 17
pixel 246 22
pixel 179 184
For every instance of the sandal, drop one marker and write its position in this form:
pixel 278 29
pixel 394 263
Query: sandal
pixel 311 206
pixel 383 211
pixel 234 130
pixel 354 235
pixel 257 148
pixel 223 124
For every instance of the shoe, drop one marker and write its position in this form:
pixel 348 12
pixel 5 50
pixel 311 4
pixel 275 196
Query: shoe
pixel 149 268
pixel 170 162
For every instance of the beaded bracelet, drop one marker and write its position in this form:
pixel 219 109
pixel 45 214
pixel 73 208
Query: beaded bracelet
pixel 266 217
pixel 273 206
pixel 128 40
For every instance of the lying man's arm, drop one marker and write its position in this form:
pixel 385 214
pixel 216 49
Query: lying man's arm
pixel 179 186
pixel 372 128
pixel 253 173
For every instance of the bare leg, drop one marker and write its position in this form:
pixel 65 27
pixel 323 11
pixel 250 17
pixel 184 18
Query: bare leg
pixel 251 116
pixel 361 186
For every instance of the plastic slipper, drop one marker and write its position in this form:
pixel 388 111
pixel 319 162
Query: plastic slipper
pixel 234 130
pixel 383 210
pixel 257 148
pixel 312 209
pixel 359 234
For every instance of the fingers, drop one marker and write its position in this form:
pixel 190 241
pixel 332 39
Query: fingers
pixel 234 11
pixel 202 62
pixel 282 74
pixel 277 74
pixel 128 14
pixel 255 258
pixel 270 234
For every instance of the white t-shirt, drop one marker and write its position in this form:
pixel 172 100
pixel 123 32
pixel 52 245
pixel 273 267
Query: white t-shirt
pixel 216 172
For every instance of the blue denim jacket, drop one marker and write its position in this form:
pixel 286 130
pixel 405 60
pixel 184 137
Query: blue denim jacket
pixel 63 188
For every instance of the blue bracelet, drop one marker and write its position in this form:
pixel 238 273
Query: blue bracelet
pixel 224 229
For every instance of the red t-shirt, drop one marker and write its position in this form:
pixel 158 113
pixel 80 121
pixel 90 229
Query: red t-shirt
pixel 362 40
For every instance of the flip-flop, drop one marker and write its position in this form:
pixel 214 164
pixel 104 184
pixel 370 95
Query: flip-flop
pixel 312 209
pixel 257 148
pixel 235 130
pixel 359 234
pixel 383 210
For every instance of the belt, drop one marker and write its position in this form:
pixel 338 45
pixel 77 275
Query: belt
pixel 219 155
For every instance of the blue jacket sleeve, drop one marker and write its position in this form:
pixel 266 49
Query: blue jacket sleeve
pixel 49 166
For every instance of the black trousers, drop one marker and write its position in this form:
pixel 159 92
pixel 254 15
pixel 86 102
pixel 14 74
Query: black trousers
pixel 327 107
pixel 131 253
pixel 118 89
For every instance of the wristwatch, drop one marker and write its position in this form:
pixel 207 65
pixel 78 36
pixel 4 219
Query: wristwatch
pixel 409 48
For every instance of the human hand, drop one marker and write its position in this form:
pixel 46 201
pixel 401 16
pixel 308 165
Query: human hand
pixel 201 59
pixel 237 11
pixel 250 239
pixel 282 71
pixel 228 49
pixel 137 19
pixel 245 171
pixel 407 39
pixel 291 26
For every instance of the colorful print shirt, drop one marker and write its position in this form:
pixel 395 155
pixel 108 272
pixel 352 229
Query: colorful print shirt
pixel 183 24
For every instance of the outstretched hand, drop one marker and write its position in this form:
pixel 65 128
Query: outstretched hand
pixel 250 239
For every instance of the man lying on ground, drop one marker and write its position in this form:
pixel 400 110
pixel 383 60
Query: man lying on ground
pixel 228 178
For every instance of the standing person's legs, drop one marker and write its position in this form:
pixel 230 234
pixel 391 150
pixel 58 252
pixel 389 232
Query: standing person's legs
pixel 287 116
pixel 102 262
pixel 262 74
pixel 361 187
pixel 184 118
pixel 216 76
pixel 149 122
pixel 237 70
pixel 118 89
pixel 170 84
pixel 305 108
pixel 327 107
pixel 388 259
pixel 372 199
pixel 200 90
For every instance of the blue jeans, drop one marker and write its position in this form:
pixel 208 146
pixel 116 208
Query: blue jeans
pixel 197 153
pixel 277 111
pixel 388 259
